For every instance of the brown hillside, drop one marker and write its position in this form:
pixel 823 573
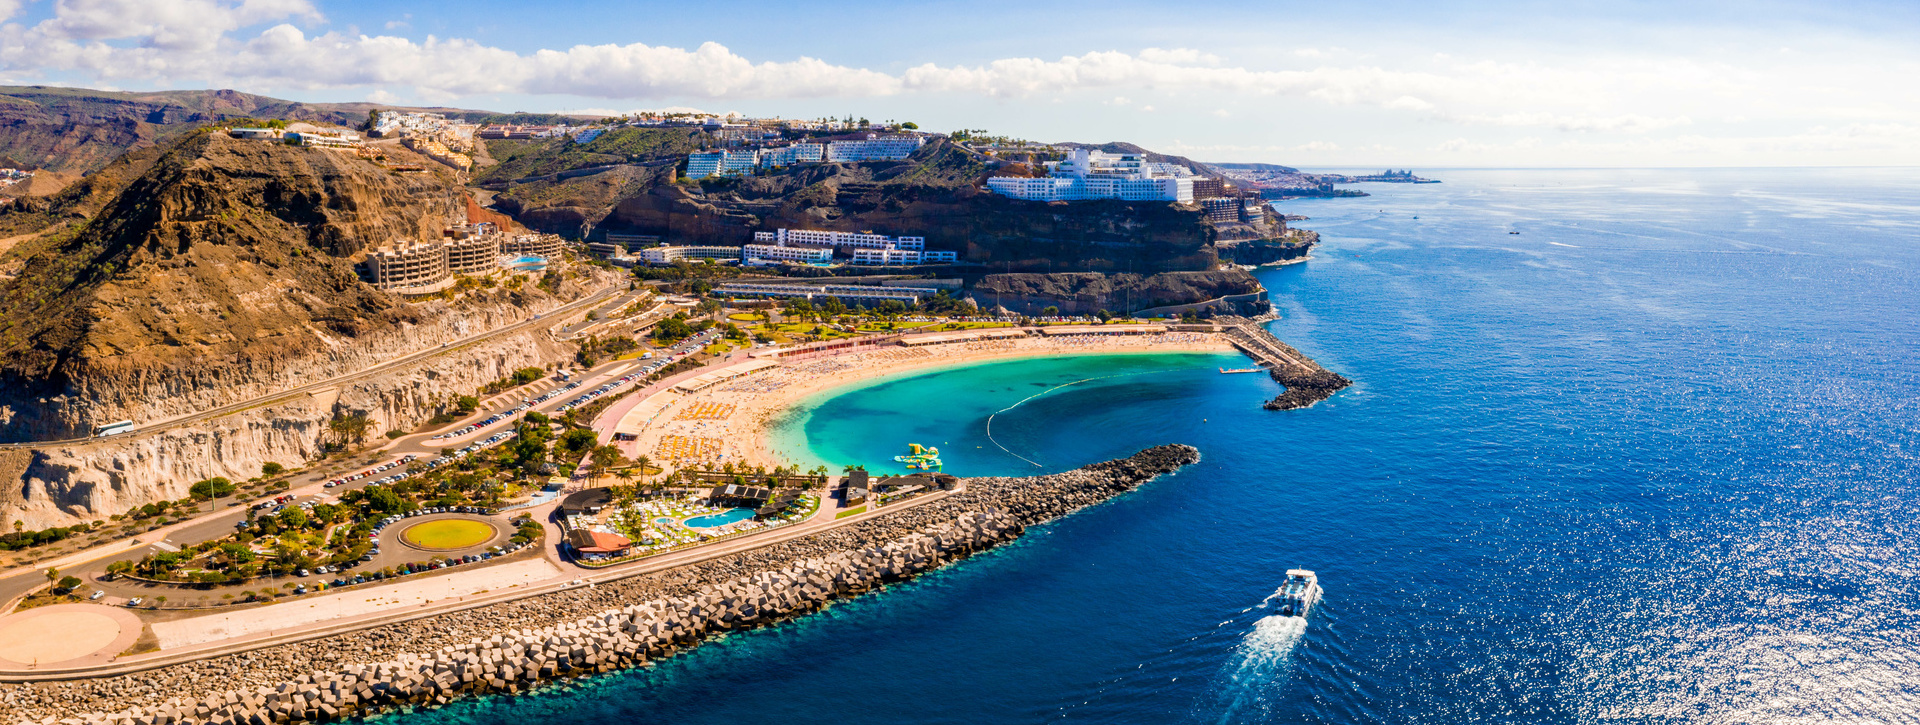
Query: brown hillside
pixel 223 256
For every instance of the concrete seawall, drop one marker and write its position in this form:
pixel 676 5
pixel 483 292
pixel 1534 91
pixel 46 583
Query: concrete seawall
pixel 510 648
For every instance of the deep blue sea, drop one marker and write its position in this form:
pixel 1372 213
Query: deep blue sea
pixel 1650 460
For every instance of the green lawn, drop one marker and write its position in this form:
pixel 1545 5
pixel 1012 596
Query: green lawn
pixel 448 534
pixel 851 512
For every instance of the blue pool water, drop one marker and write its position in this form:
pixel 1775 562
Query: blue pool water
pixel 723 518
pixel 1651 460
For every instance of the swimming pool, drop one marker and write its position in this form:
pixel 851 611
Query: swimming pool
pixel 528 263
pixel 720 519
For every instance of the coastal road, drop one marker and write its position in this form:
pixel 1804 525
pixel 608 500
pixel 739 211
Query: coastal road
pixel 402 361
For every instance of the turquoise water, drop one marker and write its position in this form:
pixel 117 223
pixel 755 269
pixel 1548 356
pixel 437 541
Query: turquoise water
pixel 1651 460
pixel 723 518
pixel 871 423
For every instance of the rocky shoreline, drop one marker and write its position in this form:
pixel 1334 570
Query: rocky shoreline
pixel 515 646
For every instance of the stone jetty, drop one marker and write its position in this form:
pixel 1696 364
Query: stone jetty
pixel 1305 382
pixel 606 627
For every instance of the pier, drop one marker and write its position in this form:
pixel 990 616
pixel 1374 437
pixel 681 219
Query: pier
pixel 1305 381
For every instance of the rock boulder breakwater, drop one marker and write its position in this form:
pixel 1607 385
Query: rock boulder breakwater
pixel 1305 381
pixel 514 646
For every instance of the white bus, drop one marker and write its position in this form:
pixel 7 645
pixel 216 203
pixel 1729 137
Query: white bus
pixel 112 428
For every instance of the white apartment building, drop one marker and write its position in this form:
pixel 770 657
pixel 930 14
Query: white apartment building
pixel 720 163
pixel 1089 174
pixel 669 255
pixel 875 148
pixel 338 139
pixel 851 240
pixel 783 253
pixel 891 256
pixel 799 153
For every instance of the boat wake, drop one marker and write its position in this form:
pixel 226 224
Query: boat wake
pixel 1260 668
pixel 1253 680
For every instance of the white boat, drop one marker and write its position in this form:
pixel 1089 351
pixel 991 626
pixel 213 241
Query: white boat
pixel 1297 596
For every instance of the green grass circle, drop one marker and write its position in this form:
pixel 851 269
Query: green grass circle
pixel 447 534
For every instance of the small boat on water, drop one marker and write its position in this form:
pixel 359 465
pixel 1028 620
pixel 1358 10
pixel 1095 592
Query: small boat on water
pixel 1297 596
pixel 1226 371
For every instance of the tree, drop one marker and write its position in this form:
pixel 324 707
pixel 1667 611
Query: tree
pixel 910 126
pixel 53 574
pixel 603 458
pixel 272 469
pixel 293 517
pixel 237 553
pixel 383 499
pixel 1050 311
pixel 350 428
pixel 211 488
pixel 326 513
pixel 672 329
pixel 468 404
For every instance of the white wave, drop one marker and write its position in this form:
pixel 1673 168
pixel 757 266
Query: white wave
pixel 1261 666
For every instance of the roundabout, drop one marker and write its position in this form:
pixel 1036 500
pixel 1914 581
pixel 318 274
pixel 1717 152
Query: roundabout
pixel 453 533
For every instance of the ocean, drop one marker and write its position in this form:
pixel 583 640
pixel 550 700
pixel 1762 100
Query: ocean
pixel 1650 460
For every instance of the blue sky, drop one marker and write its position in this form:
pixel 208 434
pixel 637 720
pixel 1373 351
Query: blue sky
pixel 1314 85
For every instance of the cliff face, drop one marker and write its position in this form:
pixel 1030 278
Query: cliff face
pixel 1088 292
pixel 1295 244
pixel 224 272
pixel 61 485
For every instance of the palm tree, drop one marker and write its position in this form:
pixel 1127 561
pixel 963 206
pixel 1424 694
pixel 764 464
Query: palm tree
pixel 603 458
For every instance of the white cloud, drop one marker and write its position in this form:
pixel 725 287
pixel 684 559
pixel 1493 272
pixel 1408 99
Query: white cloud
pixel 166 25
pixel 1409 103
pixel 1179 56
pixel 1627 123
pixel 1845 97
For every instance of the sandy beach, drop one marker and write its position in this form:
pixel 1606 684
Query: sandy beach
pixel 731 422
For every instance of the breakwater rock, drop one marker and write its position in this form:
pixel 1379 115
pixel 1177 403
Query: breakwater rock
pixel 1304 388
pixel 515 646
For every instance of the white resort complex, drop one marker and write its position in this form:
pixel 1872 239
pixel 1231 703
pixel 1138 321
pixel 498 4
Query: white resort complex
pixel 1088 174
pixel 818 246
pixel 730 162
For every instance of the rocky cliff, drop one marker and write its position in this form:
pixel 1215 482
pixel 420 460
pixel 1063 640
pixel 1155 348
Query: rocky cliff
pixel 1087 292
pixel 221 271
pixel 62 484
pixel 224 271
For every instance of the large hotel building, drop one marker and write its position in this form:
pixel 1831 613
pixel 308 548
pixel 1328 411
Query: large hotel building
pixel 1088 174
